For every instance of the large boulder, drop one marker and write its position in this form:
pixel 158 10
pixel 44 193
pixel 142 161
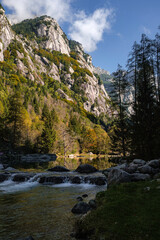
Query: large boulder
pixel 146 169
pixel 81 208
pixel 58 169
pixel 52 180
pixel 136 177
pixel 120 166
pixel 118 176
pixel 96 180
pixel 76 180
pixel 131 168
pixel 106 171
pixel 139 161
pixel 154 163
pixel 22 177
pixel 86 168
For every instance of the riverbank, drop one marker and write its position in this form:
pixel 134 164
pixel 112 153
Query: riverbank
pixel 126 211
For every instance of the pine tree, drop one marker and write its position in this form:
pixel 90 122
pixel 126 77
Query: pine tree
pixel 119 138
pixel 16 119
pixel 48 135
pixel 144 106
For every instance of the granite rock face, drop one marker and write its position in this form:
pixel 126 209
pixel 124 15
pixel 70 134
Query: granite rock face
pixel 6 33
pixel 32 65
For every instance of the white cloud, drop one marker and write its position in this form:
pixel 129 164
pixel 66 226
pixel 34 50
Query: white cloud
pixel 23 9
pixel 146 30
pixel 88 30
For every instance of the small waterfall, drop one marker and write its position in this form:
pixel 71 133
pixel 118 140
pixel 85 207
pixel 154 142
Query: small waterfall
pixel 22 181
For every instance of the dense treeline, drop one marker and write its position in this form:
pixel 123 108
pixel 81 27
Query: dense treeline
pixel 138 132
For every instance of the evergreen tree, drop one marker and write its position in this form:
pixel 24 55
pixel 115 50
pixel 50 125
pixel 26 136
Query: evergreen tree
pixel 48 135
pixel 119 137
pixel 16 119
pixel 144 106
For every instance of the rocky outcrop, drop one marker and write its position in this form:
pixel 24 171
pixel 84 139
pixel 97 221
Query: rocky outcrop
pixel 53 36
pixel 49 36
pixel 6 33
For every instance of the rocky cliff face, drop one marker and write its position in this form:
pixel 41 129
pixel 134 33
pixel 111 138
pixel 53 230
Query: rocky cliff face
pixel 54 37
pixel 43 50
pixel 6 33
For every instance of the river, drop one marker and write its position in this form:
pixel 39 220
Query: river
pixel 42 211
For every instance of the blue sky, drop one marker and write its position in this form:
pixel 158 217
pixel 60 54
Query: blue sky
pixel 107 28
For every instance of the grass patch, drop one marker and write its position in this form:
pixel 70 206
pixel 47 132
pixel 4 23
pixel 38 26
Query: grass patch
pixel 125 212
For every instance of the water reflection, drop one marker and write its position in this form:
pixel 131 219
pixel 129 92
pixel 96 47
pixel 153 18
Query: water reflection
pixel 70 163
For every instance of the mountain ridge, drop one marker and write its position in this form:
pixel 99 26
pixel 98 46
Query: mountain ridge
pixel 49 75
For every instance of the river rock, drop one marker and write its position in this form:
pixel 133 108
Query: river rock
pixel 92 203
pixel 139 161
pixel 146 169
pixel 52 180
pixel 120 166
pixel 80 199
pixel 156 176
pixel 76 180
pixel 118 176
pixel 29 238
pixel 58 169
pixel 154 163
pixel 85 195
pixel 96 180
pixel 10 169
pixel 132 168
pixel 81 208
pixel 3 177
pixel 22 177
pixel 86 168
pixel 106 171
pixel 136 177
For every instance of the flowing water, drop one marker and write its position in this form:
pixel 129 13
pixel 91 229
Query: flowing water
pixel 42 211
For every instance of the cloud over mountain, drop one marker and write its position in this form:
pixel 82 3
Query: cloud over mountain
pixel 89 30
pixel 86 29
pixel 23 9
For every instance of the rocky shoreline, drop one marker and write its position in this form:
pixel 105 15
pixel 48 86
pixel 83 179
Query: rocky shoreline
pixel 128 172
pixel 137 170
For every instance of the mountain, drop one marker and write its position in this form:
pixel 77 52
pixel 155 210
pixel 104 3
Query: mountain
pixel 51 78
pixel 106 79
pixel 45 45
